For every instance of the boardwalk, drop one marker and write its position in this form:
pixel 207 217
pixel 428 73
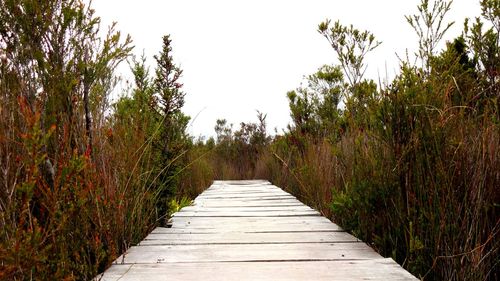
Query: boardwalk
pixel 251 230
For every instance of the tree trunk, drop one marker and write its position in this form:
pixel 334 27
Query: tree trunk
pixel 88 121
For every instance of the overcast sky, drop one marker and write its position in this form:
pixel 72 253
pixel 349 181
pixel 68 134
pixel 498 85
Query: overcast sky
pixel 243 56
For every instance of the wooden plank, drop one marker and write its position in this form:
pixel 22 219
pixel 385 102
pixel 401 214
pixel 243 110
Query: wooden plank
pixel 241 182
pixel 237 204
pixel 247 214
pixel 241 203
pixel 376 269
pixel 212 230
pixel 246 209
pixel 246 198
pixel 257 224
pixel 225 221
pixel 247 238
pixel 248 252
pixel 255 228
pixel 228 190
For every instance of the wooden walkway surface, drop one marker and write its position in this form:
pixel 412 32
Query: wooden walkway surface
pixel 251 230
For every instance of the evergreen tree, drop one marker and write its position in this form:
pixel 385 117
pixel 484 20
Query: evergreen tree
pixel 172 138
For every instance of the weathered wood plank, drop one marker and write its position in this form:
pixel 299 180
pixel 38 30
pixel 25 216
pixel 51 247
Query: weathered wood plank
pixel 267 190
pixel 259 229
pixel 249 252
pixel 247 198
pixel 376 269
pixel 245 209
pixel 241 182
pixel 254 193
pixel 247 214
pixel 243 204
pixel 254 226
pixel 224 221
pixel 247 238
pixel 257 224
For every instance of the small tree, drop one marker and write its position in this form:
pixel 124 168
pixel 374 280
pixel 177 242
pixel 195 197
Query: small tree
pixel 172 138
pixel 430 28
pixel 351 46
pixel 314 109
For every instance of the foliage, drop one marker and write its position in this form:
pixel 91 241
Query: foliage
pixel 176 204
pixel 315 108
pixel 81 181
pixel 430 27
pixel 198 169
pixel 351 46
pixel 172 138
pixel 62 212
pixel 235 153
pixel 410 168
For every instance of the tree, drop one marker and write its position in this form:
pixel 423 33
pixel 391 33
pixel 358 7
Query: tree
pixel 98 60
pixel 430 28
pixel 485 51
pixel 315 108
pixel 351 46
pixel 56 74
pixel 223 131
pixel 172 138
pixel 59 60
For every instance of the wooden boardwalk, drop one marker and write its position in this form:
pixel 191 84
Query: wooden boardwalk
pixel 251 230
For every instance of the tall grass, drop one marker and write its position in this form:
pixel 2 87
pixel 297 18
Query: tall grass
pixel 198 173
pixel 422 188
pixel 446 226
pixel 73 224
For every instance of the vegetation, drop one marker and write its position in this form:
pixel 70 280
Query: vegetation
pixel 82 180
pixel 410 167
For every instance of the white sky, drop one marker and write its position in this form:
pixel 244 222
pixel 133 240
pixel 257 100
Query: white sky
pixel 243 56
